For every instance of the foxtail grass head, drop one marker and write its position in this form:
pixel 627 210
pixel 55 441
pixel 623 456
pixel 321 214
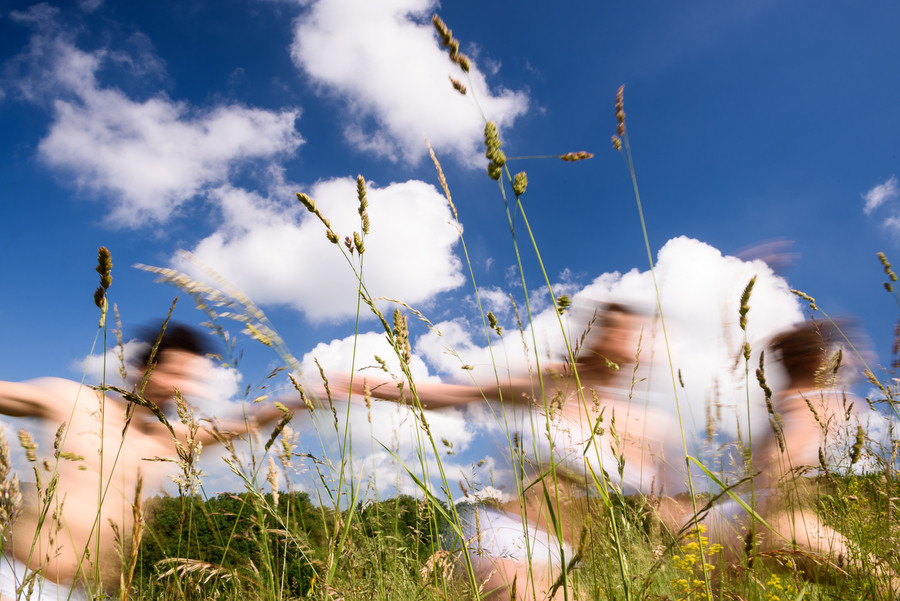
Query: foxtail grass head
pixel 445 34
pixel 572 157
pixel 493 153
pixel 104 268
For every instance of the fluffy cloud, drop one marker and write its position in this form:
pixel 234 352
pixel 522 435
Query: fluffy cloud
pixel 279 254
pixel 150 156
pixel 383 60
pixel 700 291
pixel 879 194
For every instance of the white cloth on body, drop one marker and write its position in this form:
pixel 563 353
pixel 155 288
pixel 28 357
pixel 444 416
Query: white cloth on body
pixel 13 573
pixel 500 534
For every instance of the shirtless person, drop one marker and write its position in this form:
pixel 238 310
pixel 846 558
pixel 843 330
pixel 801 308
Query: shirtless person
pixel 812 412
pixel 63 531
pixel 570 404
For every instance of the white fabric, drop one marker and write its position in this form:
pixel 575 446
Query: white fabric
pixel 13 573
pixel 500 534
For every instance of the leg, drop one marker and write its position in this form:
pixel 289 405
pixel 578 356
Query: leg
pixel 510 580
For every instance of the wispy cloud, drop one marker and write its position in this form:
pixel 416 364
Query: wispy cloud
pixel 147 156
pixel 879 194
pixel 382 60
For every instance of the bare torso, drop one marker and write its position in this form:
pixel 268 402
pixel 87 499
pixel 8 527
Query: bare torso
pixel 68 532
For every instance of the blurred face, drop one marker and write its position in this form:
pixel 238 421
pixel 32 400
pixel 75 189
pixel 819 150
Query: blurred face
pixel 620 337
pixel 176 369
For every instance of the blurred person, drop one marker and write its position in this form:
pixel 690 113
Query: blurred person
pixel 105 453
pixel 583 422
pixel 810 416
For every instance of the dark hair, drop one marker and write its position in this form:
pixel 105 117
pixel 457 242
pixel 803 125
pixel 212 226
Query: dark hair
pixel 803 349
pixel 177 337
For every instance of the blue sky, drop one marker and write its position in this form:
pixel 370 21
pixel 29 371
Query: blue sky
pixel 152 128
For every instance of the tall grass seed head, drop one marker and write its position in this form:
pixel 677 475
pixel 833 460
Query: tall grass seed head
pixel 581 155
pixel 616 143
pixel 443 31
pixel 495 325
pixel 307 202
pixel 28 445
pixel 104 267
pixel 363 202
pixel 401 336
pixel 520 183
pixel 806 297
pixel 458 85
pixel 887 267
pixel 745 302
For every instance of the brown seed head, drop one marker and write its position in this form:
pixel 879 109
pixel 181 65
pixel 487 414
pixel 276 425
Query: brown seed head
pixel 28 444
pixel 443 31
pixel 463 61
pixel 104 267
pixel 458 85
pixel 581 155
pixel 617 142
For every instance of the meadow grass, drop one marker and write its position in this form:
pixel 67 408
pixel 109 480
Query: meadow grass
pixel 272 542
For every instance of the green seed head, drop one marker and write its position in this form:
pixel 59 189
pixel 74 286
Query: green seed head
pixel 520 182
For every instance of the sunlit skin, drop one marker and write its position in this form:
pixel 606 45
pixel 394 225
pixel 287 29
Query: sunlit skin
pixel 782 494
pixel 97 484
pixel 641 432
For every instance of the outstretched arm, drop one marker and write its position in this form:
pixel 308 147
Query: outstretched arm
pixel 255 416
pixel 36 398
pixel 432 396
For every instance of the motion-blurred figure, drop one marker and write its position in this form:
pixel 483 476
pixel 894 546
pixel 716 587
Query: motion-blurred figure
pixel 585 432
pixel 105 450
pixel 810 417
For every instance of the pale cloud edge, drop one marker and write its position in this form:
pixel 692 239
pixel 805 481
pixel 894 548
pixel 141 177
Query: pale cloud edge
pixel 877 195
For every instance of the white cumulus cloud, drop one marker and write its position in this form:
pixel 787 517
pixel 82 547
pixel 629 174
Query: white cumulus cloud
pixel 279 254
pixel 700 290
pixel 148 156
pixel 382 59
